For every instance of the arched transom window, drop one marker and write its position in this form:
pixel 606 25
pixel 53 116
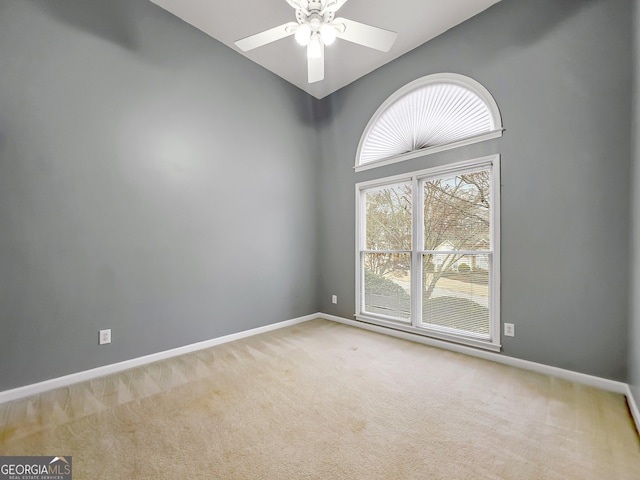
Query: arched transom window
pixel 429 115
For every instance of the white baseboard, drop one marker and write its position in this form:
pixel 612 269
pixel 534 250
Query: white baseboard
pixel 33 389
pixel 590 380
pixel 584 379
pixel 633 406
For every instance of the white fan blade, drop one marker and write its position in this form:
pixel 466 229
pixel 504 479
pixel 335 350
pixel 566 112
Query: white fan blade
pixel 268 36
pixel 316 66
pixel 302 4
pixel 299 4
pixel 334 5
pixel 372 37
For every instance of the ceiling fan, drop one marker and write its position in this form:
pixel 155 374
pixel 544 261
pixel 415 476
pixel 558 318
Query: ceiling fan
pixel 317 27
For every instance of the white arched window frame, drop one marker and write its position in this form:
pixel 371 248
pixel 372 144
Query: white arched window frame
pixel 432 114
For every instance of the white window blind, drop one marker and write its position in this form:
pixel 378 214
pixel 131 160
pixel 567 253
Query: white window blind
pixel 386 257
pixel 431 114
pixel 456 252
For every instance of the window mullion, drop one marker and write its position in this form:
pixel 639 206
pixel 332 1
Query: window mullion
pixel 416 247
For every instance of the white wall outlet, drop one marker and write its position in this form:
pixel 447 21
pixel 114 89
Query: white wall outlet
pixel 509 330
pixel 105 336
pixel 334 298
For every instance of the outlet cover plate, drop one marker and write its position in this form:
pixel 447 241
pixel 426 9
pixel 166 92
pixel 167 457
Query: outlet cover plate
pixel 105 336
pixel 509 330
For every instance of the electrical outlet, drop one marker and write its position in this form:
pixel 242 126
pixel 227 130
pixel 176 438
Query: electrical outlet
pixel 509 330
pixel 334 298
pixel 105 336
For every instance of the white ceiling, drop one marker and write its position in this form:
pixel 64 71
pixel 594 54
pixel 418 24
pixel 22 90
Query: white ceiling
pixel 415 21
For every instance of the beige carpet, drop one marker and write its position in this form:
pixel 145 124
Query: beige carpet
pixel 326 401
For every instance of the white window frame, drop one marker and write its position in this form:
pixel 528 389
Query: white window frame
pixel 493 342
pixel 438 78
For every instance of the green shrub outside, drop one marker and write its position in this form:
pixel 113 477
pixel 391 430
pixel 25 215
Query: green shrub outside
pixel 464 268
pixel 383 286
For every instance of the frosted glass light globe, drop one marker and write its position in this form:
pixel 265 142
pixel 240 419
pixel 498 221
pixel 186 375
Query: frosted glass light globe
pixel 314 48
pixel 328 34
pixel 303 34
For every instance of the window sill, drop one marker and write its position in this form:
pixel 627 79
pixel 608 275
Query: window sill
pixel 433 334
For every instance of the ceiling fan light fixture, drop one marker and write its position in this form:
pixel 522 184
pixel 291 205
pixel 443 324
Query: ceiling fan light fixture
pixel 328 34
pixel 314 49
pixel 303 34
pixel 316 27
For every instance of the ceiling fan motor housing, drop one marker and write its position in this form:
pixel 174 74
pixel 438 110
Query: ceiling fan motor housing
pixel 314 17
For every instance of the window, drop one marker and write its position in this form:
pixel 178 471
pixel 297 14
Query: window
pixel 427 259
pixel 388 239
pixel 434 113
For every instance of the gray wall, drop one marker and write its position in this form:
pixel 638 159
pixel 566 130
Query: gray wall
pixel 560 73
pixel 152 181
pixel 634 333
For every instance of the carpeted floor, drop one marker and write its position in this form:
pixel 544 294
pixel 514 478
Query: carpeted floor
pixel 322 400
